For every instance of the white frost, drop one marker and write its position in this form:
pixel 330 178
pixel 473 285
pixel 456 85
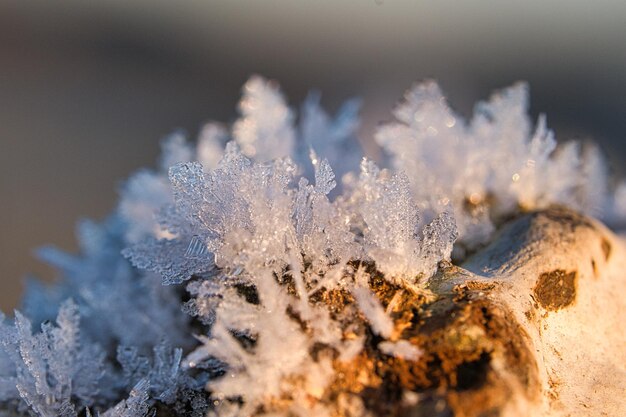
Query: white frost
pixel 374 312
pixel 401 349
pixel 261 218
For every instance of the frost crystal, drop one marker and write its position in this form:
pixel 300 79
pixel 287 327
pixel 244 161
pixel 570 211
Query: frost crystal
pixel 265 130
pixel 163 372
pixel 295 261
pixel 401 349
pixel 370 306
pixel 135 405
pixel 54 374
pixel 118 304
pixel 392 234
pixel 492 166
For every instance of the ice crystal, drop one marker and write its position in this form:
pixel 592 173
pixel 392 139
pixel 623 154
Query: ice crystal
pixel 118 304
pixel 53 373
pixel 372 309
pixel 265 129
pixel 492 166
pixel 287 241
pixel 392 235
pixel 401 349
pixel 334 140
pixel 136 405
pixel 163 372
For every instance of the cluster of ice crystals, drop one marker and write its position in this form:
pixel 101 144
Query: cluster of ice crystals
pixel 332 139
pixel 393 238
pixel 254 220
pixel 51 373
pixel 118 304
pixel 265 130
pixel 163 372
pixel 492 166
pixel 244 337
pixel 137 403
pixel 262 220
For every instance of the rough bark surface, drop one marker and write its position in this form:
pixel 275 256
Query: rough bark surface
pixel 530 325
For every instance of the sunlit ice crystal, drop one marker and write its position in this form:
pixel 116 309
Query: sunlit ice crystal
pixel 265 130
pixel 491 166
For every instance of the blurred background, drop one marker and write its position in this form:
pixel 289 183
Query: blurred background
pixel 88 89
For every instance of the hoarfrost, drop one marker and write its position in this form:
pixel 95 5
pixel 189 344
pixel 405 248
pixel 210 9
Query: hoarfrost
pixel 136 405
pixel 118 304
pixel 492 166
pixel 392 235
pixel 163 371
pixel 401 349
pixel 265 130
pixel 54 372
pixel 372 309
pixel 334 140
pixel 280 239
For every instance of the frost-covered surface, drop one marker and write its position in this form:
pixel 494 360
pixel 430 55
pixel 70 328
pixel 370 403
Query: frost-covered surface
pixel 53 372
pixel 493 166
pixel 210 288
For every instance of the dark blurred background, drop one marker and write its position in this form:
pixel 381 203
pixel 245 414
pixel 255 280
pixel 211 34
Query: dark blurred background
pixel 87 89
